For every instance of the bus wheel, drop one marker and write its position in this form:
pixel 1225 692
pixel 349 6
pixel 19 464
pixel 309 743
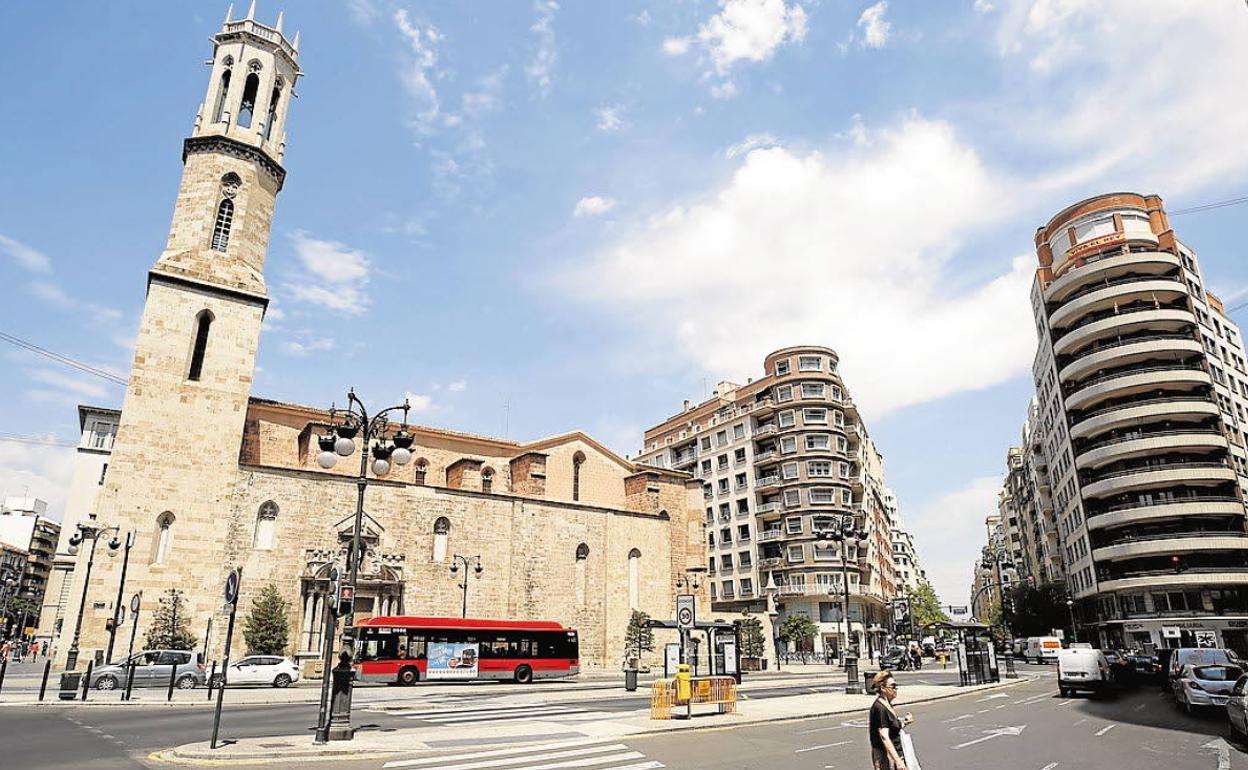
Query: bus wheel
pixel 524 675
pixel 409 676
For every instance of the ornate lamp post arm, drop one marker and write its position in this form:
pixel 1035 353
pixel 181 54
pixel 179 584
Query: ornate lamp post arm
pixel 467 562
pixel 93 533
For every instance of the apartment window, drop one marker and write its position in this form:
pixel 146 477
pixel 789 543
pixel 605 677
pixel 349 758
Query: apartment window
pixel 819 468
pixel 798 582
pixel 782 367
pixel 710 539
pixel 837 395
pixel 705 443
pixel 808 363
pixel 818 441
pixel 707 490
pixel 822 496
pixel 723 485
pixel 706 467
pixel 784 393
pixel 726 591
pixel 841 444
pixel 725 561
pixel 844 469
pixel 103 472
pixel 792 498
pixel 740 480
pixel 738 431
pixel 789 470
pixel 739 456
pixel 793 525
pixel 838 417
pixel 743 536
pixel 725 511
pixel 721 462
pixel 825 553
pixel 747 586
pixel 713 597
pixel 788 445
pixel 721 438
pixel 815 416
pixel 743 559
pixel 710 515
pixel 743 506
pixel 813 390
pixel 795 555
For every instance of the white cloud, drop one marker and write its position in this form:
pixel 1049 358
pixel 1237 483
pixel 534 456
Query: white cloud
pixel 56 387
pixel 984 6
pixel 949 531
pixel 751 142
pixel 866 275
pixel 419 67
pixel 38 470
pixel 610 118
pixel 488 97
pixel 420 402
pixel 1085 89
pixel 458 386
pixel 363 12
pixel 751 30
pixel 874 26
pixel 593 206
pixel 643 18
pixel 725 90
pixel 540 68
pixel 306 348
pixel 677 46
pixel 334 275
pixel 27 258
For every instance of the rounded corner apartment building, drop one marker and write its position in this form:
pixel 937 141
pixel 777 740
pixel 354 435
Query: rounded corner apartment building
pixel 1142 386
pixel 779 457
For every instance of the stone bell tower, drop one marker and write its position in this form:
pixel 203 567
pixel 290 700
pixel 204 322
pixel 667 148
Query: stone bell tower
pixel 175 460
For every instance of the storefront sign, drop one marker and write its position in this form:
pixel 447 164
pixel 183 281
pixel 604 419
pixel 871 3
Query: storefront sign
pixel 1170 632
pixel 1088 246
pixel 1206 639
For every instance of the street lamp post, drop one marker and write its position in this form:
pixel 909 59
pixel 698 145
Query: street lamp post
pixel 345 426
pixel 467 561
pixel 10 588
pixel 121 588
pixel 844 535
pixel 1070 608
pixel 93 533
pixel 773 613
pixel 1000 560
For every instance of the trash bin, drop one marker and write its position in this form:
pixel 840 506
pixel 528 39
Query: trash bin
pixel 630 679
pixel 867 676
pixel 71 682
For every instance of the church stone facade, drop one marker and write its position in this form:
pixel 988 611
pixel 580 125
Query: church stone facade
pixel 210 478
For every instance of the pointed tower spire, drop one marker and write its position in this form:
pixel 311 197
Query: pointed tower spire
pixel 280 15
pixel 295 44
pixel 251 11
pixel 229 14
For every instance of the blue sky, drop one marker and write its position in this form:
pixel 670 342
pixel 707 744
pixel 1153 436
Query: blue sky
pixel 535 217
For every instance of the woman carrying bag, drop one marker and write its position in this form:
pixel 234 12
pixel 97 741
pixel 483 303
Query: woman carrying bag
pixel 888 738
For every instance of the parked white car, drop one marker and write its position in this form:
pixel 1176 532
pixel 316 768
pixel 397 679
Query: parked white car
pixel 260 669
pixel 1042 649
pixel 1082 668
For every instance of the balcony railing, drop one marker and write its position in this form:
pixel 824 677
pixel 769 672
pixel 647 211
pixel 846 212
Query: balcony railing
pixel 1067 360
pixel 1114 282
pixel 771 562
pixel 767 535
pixel 1093 478
pixel 760 457
pixel 767 508
pixel 767 481
pixel 765 430
pixel 1133 504
pixel 1132 372
pixel 1141 436
pixel 1128 539
pixel 1144 402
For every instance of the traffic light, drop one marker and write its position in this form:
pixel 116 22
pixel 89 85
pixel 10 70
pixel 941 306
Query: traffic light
pixel 1031 581
pixel 110 624
pixel 1177 562
pixel 346 600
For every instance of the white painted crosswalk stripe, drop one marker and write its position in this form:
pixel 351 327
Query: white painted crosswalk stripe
pixel 579 752
pixel 487 716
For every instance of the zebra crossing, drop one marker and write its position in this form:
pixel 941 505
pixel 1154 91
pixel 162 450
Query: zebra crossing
pixel 499 713
pixel 594 753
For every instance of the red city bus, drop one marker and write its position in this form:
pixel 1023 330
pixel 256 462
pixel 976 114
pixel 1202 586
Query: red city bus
pixel 408 649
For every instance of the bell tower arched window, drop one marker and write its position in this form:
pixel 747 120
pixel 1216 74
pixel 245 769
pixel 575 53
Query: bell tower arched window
pixel 578 460
pixel 203 324
pixel 223 91
pixel 224 223
pixel 272 116
pixel 487 479
pixel 251 88
pixel 266 522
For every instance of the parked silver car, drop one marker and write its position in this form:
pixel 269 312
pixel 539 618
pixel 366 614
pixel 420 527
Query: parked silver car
pixel 1237 708
pixel 152 668
pixel 1208 685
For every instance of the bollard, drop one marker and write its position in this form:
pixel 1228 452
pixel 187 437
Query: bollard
pixel 4 666
pixel 86 680
pixel 1010 672
pixel 340 699
pixel 851 674
pixel 212 676
pixel 173 675
pixel 630 680
pixel 43 686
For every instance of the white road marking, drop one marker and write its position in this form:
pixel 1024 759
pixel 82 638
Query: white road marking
pixel 994 696
pixel 820 729
pixel 495 752
pixel 823 746
pixel 983 711
pixel 958 719
pixel 994 733
pixel 1104 730
pixel 1003 705
pixel 1065 703
pixel 1049 766
pixel 1081 721
pixel 1141 707
pixel 583 761
pixel 1224 752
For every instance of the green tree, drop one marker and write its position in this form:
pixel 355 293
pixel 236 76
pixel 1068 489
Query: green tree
pixel 925 606
pixel 638 637
pixel 1035 611
pixel 20 608
pixel 267 629
pixel 797 629
pixel 168 630
pixel 753 643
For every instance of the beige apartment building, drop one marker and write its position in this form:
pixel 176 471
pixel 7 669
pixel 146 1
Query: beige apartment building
pixel 209 477
pixel 779 458
pixel 1141 393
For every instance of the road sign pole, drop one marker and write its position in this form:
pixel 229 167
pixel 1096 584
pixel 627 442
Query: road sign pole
pixel 232 584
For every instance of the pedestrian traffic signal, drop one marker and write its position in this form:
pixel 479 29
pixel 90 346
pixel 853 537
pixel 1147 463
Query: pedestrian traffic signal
pixel 1177 563
pixel 1031 581
pixel 346 600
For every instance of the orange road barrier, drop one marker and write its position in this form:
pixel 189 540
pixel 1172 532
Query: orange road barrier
pixel 719 691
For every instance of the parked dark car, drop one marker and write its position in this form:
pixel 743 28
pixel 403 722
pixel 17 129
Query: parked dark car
pixel 1146 666
pixel 893 657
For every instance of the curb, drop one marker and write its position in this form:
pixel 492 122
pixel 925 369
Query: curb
pixel 198 756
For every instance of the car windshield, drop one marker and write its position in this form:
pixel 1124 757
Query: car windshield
pixel 1205 657
pixel 1218 673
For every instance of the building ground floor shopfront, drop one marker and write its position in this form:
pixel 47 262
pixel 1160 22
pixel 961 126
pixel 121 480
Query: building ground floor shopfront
pixel 869 635
pixel 1228 631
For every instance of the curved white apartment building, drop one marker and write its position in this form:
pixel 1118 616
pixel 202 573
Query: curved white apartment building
pixel 1142 389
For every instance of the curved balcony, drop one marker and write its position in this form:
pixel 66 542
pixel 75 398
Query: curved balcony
pixel 1159 545
pixel 1216 576
pixel 1119 415
pixel 1165 319
pixel 1127 352
pixel 1109 268
pixel 1116 292
pixel 1136 381
pixel 1203 473
pixel 1126 448
pixel 1143 512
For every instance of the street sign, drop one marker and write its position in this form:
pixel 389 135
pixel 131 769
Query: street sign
pixel 135 602
pixel 671 659
pixel 730 658
pixel 1060 633
pixel 685 617
pixel 231 587
pixel 959 610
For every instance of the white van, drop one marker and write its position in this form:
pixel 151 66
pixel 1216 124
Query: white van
pixel 1081 669
pixel 1042 649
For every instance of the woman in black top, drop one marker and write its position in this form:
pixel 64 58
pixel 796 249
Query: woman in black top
pixel 885 725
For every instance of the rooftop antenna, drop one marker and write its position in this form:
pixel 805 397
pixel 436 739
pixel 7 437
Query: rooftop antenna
pixel 506 417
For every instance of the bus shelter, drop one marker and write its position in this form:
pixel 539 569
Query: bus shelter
pixel 977 658
pixel 713 648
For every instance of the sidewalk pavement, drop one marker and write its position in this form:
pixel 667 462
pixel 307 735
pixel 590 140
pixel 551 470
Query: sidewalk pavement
pixel 618 727
pixel 22 689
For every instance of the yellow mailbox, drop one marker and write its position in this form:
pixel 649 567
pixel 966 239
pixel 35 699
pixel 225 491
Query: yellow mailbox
pixel 683 689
